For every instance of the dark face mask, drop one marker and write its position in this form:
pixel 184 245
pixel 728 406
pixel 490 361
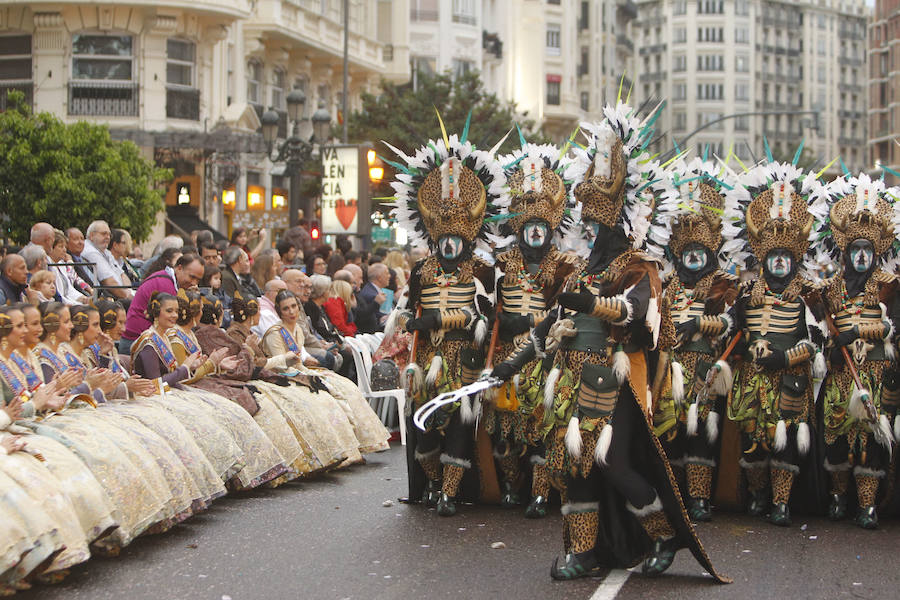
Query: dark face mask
pixel 451 251
pixel 610 244
pixel 783 275
pixel 859 255
pixel 696 267
pixel 535 240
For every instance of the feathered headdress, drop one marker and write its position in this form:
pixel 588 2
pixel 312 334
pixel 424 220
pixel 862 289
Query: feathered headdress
pixel 448 188
pixel 769 208
pixel 853 208
pixel 695 215
pixel 614 180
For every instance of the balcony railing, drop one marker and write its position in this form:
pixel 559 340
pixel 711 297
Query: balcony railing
pixel 652 77
pixel 654 49
pixel 849 62
pixel 104 99
pixel 465 19
pixel 850 88
pixel 852 33
pixel 423 15
pixel 850 114
pixel 183 104
pixel 621 40
pixel 6 87
pixel 851 141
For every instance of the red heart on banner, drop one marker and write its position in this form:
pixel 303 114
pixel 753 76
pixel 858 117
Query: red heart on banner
pixel 345 211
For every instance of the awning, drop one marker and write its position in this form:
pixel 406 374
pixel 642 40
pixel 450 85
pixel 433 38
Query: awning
pixel 185 218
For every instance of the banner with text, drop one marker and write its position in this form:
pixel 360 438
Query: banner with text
pixel 340 189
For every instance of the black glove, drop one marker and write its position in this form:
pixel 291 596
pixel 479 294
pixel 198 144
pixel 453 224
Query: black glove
pixel 504 371
pixel 512 325
pixel 578 301
pixel 684 331
pixel 845 338
pixel 424 323
pixel 774 362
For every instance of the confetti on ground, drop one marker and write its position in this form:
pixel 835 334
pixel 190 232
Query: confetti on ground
pixel 387 503
pixel 498 545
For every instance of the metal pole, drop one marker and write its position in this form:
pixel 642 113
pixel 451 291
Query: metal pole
pixel 346 71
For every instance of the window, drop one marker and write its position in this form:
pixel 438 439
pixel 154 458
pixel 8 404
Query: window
pixel 710 7
pixel 102 57
pixel 584 65
pixel 553 42
pixel 711 62
pixel 424 10
pixel 680 35
pixel 742 91
pixel 821 46
pixel 278 97
pixel 584 18
pixel 710 91
pixel 679 91
pixel 461 67
pixel 15 67
pixel 742 123
pixel 741 35
pixel 553 82
pixel 704 118
pixel 255 82
pixel 822 73
pixel 679 63
pixel 103 81
pixel 585 101
pixel 710 34
pixel 742 7
pixel 464 12
pixel 182 100
pixel 680 118
pixel 679 7
pixel 419 66
pixel 742 63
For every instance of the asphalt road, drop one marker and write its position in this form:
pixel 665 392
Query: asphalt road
pixel 333 538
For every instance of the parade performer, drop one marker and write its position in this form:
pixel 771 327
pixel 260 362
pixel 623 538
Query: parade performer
pixel 698 295
pixel 444 194
pixel 857 232
pixel 767 224
pixel 530 276
pixel 601 451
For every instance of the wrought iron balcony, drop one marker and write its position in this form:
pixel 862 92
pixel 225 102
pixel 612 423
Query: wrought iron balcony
pixel 104 99
pixel 6 87
pixel 652 77
pixel 423 15
pixel 623 41
pixel 183 104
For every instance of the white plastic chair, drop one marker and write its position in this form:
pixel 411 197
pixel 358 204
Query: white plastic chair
pixel 362 358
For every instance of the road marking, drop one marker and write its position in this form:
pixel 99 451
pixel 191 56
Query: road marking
pixel 610 586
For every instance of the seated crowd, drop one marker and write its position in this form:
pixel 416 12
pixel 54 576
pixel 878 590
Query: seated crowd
pixel 135 392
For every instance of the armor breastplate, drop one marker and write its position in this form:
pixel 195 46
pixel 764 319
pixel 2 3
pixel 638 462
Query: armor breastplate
pixel 454 295
pixel 682 312
pixel 520 301
pixel 777 321
pixel 856 316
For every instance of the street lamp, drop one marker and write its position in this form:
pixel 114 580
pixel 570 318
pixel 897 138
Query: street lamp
pixel 294 151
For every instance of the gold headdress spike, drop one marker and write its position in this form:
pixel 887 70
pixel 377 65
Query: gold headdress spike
pixel 536 189
pixel 182 294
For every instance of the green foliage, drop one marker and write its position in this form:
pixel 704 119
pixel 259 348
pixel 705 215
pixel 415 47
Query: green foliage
pixel 406 119
pixel 70 175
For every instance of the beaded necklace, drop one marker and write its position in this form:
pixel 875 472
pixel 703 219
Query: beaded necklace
pixel 847 302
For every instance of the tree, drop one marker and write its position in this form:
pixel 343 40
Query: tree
pixel 70 175
pixel 405 117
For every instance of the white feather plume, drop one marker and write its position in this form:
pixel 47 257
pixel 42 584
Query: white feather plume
pixel 573 438
pixel 780 436
pixel 677 383
pixel 601 450
pixel 712 427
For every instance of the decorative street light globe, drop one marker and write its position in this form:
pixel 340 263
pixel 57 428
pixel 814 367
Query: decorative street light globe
pixel 269 122
pixel 296 100
pixel 321 122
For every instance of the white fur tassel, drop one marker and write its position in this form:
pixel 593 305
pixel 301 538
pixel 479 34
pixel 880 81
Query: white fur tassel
pixel 550 388
pixel 677 383
pixel 897 427
pixel 819 369
pixel 516 379
pixel 573 438
pixel 780 436
pixel 712 427
pixel 414 384
pixel 803 438
pixel 466 414
pixel 489 393
pixel 480 332
pixel 434 371
pixel 723 380
pixel 885 426
pixel 602 448
pixel 857 409
pixel 621 366
pixel 692 419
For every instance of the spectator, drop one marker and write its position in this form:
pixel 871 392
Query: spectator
pixel 240 237
pixel 326 353
pixel 268 316
pixel 338 306
pixel 323 326
pixel 335 263
pixel 69 286
pixel 43 284
pixel 266 268
pixel 168 258
pixel 137 254
pixel 212 279
pixel 210 254
pixel 35 258
pixel 356 274
pixel 287 251
pixel 343 243
pixel 222 246
pixel 13 280
pixel 96 250
pixel 201 236
pixel 42 235
pixel 120 248
pixel 369 317
pixel 398 264
pixel 298 235
pixel 353 257
pixel 323 250
pixel 237 266
pixel 186 273
pixel 316 265
pixel 75 246
pixel 170 241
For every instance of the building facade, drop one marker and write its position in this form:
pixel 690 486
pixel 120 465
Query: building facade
pixel 187 81
pixel 884 86
pixel 736 72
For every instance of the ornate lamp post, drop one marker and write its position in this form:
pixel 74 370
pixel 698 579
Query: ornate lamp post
pixel 295 151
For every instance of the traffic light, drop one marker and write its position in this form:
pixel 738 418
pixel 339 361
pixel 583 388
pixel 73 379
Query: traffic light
pixel 314 230
pixel 376 169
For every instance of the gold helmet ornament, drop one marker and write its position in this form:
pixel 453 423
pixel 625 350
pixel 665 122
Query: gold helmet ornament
pixel 448 188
